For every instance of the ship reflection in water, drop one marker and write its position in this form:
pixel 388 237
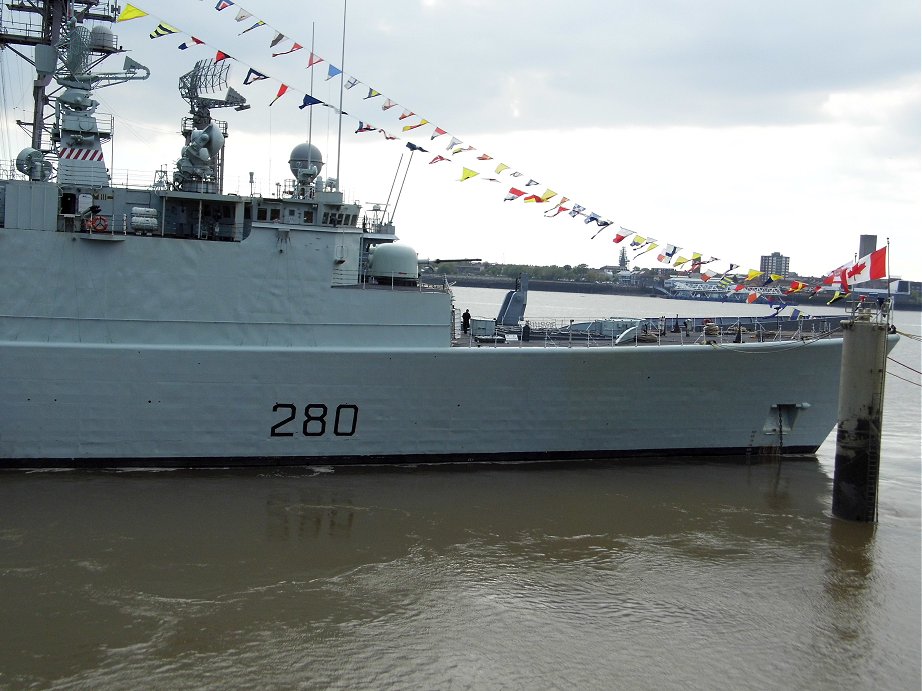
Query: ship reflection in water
pixel 594 576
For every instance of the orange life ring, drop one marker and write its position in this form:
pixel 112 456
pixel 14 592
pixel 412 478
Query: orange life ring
pixel 98 224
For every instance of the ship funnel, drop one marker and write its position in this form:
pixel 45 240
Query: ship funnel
pixel 512 310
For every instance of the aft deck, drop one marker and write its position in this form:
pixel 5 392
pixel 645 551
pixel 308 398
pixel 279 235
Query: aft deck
pixel 647 332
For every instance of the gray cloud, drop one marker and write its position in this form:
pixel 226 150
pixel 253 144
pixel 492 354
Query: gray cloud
pixel 710 63
pixel 475 66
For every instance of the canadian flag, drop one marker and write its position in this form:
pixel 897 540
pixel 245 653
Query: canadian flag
pixel 869 268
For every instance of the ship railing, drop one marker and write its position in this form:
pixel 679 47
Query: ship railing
pixel 119 178
pixel 565 333
pixel 878 310
pixel 394 281
pixel 145 179
pixel 120 224
pixel 371 224
pixel 18 28
pixel 8 171
pixel 574 333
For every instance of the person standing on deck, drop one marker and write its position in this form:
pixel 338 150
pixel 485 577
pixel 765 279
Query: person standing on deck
pixel 466 321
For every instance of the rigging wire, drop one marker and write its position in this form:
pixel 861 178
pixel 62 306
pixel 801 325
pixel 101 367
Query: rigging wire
pixel 904 365
pixel 400 191
pixel 914 383
pixel 4 105
pixel 393 182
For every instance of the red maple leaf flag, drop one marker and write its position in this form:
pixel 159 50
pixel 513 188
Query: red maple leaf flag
pixel 843 280
pixel 870 268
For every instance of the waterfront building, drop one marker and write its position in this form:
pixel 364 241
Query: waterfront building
pixel 866 245
pixel 775 263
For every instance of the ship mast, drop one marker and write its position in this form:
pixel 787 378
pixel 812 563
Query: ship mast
pixel 30 23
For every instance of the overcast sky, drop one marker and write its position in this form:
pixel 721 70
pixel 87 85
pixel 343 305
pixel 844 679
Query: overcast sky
pixel 730 128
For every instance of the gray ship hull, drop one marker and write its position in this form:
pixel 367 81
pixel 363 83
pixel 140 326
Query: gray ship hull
pixel 174 325
pixel 159 351
pixel 166 406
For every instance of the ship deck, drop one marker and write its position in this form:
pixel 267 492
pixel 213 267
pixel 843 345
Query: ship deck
pixel 556 338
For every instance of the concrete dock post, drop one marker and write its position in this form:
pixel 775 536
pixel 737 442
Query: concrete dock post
pixel 861 404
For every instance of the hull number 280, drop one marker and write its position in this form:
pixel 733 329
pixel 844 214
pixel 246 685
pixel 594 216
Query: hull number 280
pixel 316 420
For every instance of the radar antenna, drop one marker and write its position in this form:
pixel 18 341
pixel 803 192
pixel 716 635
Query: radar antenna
pixel 201 167
pixel 42 24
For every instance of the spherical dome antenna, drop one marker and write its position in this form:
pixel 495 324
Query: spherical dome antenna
pixel 101 37
pixel 303 156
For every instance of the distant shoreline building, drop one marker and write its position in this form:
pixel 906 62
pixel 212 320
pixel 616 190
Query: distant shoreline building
pixel 775 263
pixel 866 245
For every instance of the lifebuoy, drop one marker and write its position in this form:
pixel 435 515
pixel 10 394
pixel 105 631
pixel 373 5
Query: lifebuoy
pixel 98 224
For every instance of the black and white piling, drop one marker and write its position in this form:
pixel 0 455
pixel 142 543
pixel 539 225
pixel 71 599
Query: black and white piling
pixel 861 406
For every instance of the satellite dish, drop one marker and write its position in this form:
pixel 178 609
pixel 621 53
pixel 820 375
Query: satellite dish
pixel 215 139
pixel 32 162
pixel 25 158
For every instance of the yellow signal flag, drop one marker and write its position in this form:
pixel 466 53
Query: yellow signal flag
pixel 163 29
pixel 548 194
pixel 500 168
pixel 407 128
pixel 130 12
pixel 753 274
pixel 468 173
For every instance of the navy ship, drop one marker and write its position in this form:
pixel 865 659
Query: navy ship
pixel 175 325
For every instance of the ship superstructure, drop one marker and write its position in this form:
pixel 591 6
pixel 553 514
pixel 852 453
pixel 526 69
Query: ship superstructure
pixel 177 325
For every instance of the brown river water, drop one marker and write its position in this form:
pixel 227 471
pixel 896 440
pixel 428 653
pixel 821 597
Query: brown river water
pixel 661 575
